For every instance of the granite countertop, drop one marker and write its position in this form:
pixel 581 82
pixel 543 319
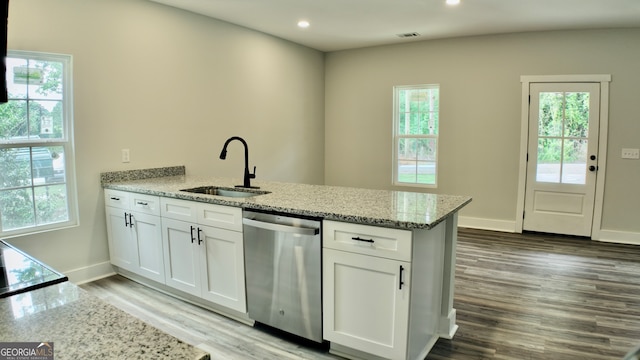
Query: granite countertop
pixel 82 326
pixel 396 209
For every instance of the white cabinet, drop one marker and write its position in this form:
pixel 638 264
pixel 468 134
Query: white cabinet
pixel 134 233
pixel 123 251
pixel 366 307
pixel 381 290
pixel 366 297
pixel 222 268
pixel 203 251
pixel 181 258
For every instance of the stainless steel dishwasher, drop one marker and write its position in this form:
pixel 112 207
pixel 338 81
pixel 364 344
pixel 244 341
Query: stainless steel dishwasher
pixel 283 272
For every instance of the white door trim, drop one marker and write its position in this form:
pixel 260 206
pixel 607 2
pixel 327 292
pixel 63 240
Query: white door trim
pixel 604 81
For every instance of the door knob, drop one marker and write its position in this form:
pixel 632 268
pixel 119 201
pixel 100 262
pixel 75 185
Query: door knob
pixel 593 168
pixel 592 157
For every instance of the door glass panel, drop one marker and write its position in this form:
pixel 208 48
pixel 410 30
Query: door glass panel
pixel 550 121
pixel 576 122
pixel 563 128
pixel 574 165
pixel 549 151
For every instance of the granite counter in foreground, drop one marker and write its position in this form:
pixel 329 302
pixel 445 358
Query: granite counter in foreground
pixel 82 326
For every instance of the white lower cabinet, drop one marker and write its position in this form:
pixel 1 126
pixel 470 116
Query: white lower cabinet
pixel 366 303
pixel 381 290
pixel 202 260
pixel 222 268
pixel 147 231
pixel 181 260
pixel 134 233
pixel 193 247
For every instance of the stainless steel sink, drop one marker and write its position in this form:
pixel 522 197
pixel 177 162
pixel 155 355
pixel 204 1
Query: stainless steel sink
pixel 228 192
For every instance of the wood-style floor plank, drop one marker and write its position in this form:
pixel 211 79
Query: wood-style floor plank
pixel 531 296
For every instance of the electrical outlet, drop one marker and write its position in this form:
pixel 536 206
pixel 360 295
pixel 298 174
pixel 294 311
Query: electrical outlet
pixel 125 155
pixel 631 153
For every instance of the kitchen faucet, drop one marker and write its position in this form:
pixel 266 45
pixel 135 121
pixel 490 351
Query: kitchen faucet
pixel 247 175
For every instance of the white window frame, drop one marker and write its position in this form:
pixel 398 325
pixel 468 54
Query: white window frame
pixel 66 142
pixel 397 136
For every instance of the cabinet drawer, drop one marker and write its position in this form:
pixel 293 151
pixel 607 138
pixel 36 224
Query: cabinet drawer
pixel 147 204
pixel 367 240
pixel 179 209
pixel 117 199
pixel 225 217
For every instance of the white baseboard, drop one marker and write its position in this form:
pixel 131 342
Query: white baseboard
pixel 622 237
pixel 90 273
pixel 486 224
pixel 614 236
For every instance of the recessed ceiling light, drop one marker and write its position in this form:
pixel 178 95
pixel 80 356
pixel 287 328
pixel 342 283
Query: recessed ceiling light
pixel 303 24
pixel 453 2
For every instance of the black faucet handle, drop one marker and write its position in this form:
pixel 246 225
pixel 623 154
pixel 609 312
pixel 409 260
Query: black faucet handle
pixel 253 176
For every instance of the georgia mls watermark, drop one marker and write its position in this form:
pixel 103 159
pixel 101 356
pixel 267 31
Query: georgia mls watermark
pixel 26 350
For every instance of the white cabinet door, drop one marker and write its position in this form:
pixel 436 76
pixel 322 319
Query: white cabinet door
pixel 123 249
pixel 366 303
pixel 147 232
pixel 222 267
pixel 134 233
pixel 181 255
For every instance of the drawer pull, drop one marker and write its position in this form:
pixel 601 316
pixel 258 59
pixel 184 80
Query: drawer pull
pixel 358 238
pixel 142 203
pixel 115 198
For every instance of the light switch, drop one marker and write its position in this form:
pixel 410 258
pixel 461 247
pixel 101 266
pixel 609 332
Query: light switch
pixel 631 153
pixel 125 155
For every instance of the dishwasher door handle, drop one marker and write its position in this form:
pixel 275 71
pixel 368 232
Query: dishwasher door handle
pixel 280 227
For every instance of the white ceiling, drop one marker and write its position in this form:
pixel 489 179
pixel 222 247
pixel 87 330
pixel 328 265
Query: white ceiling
pixel 347 24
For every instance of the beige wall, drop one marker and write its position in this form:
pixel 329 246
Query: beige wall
pixel 480 112
pixel 171 86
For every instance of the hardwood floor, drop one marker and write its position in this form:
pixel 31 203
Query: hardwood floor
pixel 532 296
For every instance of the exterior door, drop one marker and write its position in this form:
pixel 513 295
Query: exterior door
pixel 562 157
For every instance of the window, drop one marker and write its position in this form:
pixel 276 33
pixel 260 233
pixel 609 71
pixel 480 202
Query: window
pixel 415 124
pixel 37 180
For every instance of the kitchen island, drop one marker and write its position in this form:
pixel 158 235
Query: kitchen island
pixel 388 256
pixel 394 209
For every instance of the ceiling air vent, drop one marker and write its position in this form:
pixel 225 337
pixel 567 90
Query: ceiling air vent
pixel 409 35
